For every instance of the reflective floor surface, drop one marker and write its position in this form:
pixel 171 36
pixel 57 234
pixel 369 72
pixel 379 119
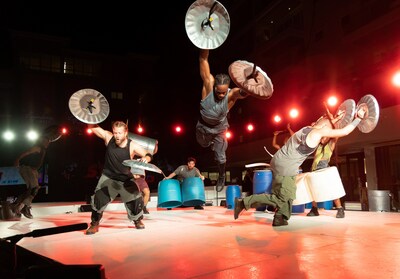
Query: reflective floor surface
pixel 209 243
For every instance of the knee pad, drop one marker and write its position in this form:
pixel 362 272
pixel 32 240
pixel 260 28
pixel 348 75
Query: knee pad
pixel 101 198
pixel 135 206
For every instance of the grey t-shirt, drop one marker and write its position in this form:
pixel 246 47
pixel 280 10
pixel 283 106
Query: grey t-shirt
pixel 183 172
pixel 214 113
pixel 288 159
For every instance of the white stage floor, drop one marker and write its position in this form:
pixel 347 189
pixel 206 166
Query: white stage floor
pixel 209 243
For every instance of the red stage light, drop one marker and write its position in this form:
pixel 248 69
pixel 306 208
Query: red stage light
pixel 332 101
pixel 178 129
pixel 277 119
pixel 250 127
pixel 396 79
pixel 294 113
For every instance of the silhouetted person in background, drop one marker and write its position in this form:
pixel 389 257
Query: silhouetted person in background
pixel 28 163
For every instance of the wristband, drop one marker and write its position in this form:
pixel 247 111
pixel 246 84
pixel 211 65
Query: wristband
pixel 355 122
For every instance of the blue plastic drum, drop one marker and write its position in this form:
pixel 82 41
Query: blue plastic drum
pixel 328 205
pixel 193 191
pixel 262 184
pixel 298 208
pixel 169 193
pixel 232 192
pixel 262 181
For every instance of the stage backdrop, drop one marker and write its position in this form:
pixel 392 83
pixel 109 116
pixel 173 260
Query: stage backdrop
pixel 10 176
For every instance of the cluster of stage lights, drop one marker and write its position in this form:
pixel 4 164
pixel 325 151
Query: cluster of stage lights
pixel 293 114
pixel 30 135
pixel 33 135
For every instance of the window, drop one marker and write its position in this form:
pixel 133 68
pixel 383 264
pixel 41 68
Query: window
pixel 40 62
pixel 82 67
pixel 117 95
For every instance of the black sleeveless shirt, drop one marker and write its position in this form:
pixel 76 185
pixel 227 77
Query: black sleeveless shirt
pixel 115 155
pixel 34 160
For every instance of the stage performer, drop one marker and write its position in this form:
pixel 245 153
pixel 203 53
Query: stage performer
pixel 286 162
pixel 322 156
pixel 276 133
pixel 117 178
pixel 216 101
pixel 139 176
pixel 28 164
pixel 186 171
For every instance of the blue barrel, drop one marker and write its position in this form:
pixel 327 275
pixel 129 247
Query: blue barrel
pixel 193 191
pixel 232 192
pixel 325 205
pixel 169 193
pixel 299 208
pixel 328 205
pixel 262 183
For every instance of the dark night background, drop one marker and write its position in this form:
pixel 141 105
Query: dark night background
pixel 148 28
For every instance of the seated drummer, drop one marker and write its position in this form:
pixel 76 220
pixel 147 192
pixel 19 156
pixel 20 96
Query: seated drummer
pixel 185 171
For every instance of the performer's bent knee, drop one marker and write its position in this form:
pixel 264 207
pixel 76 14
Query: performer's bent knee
pixel 135 206
pixel 100 198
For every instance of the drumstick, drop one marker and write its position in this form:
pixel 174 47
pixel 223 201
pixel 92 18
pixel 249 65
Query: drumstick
pixel 198 172
pixel 268 152
pixel 329 114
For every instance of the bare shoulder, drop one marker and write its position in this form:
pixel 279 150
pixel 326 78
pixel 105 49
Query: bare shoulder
pixel 107 135
pixel 314 137
pixel 136 149
pixel 234 94
pixel 235 90
pixel 208 82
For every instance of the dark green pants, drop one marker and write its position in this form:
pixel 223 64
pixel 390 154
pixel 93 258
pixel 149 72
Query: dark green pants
pixel 282 196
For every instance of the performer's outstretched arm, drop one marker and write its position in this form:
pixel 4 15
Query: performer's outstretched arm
pixel 101 133
pixel 315 136
pixel 289 129
pixel 206 76
pixel 274 143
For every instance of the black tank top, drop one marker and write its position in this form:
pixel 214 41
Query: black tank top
pixel 34 160
pixel 115 155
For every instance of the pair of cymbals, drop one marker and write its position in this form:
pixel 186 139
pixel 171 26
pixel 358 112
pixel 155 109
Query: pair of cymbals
pixel 349 108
